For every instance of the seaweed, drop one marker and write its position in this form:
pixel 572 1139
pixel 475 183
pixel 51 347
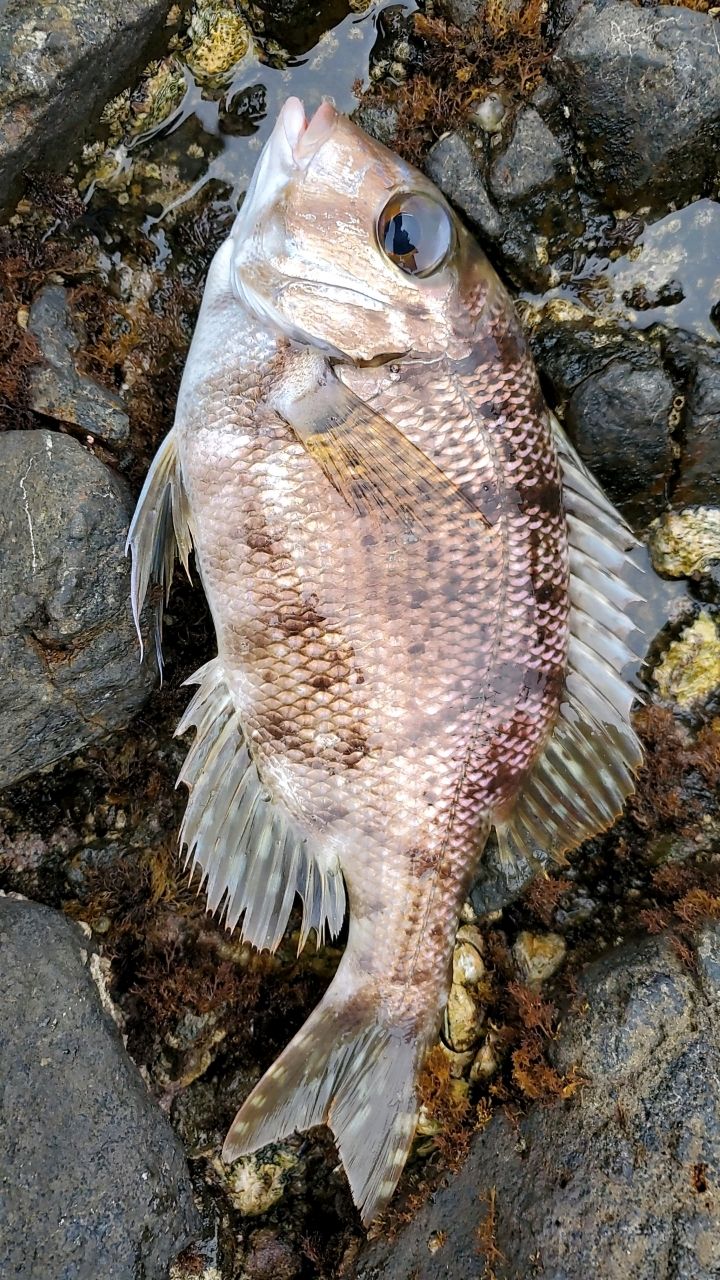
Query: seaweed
pixel 456 68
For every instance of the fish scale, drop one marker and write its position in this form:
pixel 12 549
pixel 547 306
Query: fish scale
pixel 419 604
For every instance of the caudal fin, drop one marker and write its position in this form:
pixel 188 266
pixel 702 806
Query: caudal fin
pixel 345 1070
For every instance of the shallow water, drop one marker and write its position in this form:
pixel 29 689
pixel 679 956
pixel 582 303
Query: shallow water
pixel 207 146
pixel 671 276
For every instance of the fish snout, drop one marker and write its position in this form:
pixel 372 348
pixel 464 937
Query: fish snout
pixel 305 136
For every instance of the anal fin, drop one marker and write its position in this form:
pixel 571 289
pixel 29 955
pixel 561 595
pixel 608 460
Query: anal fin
pixel 580 783
pixel 251 855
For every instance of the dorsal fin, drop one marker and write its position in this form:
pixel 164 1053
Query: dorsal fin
pixel 160 526
pixel 580 783
pixel 252 857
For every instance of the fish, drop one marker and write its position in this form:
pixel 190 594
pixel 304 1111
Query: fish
pixel 424 607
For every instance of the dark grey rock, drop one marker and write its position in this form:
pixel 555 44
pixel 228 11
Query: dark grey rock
pixel 68 654
pixel 59 65
pixel 380 120
pixel 643 91
pixel 463 12
pixel 56 387
pixel 456 163
pixel 93 1182
pixel 696 365
pixel 533 162
pixel 618 1182
pixel 519 199
pixel 619 420
pixel 498 884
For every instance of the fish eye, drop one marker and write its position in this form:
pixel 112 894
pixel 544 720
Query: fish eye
pixel 416 233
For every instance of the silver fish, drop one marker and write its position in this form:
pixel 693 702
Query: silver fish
pixel 423 606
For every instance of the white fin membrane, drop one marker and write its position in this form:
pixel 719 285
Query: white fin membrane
pixel 345 1070
pixel 580 784
pixel 252 857
pixel 160 525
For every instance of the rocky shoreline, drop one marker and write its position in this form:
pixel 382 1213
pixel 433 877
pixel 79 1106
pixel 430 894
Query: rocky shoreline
pixel 571 1119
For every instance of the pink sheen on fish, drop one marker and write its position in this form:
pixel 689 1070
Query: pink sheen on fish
pixel 423 604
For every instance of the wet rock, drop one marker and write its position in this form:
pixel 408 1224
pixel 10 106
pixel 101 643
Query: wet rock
pixel 68 655
pixel 464 1017
pixel 532 163
pixel 457 163
pixel 468 964
pixel 271 1258
pixel 380 120
pixel 498 884
pixel 643 93
pixel 619 1180
pixel 92 1180
pixel 619 420
pixel 463 12
pixel 689 671
pixel 696 365
pixel 520 199
pixel 538 955
pixel 569 345
pixel 685 544
pixel 56 387
pixel 59 64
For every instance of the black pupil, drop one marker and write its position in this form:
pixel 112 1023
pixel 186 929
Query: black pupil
pixel 402 236
pixel 416 232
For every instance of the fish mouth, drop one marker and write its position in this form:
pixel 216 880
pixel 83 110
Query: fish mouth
pixel 304 136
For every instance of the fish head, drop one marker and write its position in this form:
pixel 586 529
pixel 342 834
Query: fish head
pixel 343 246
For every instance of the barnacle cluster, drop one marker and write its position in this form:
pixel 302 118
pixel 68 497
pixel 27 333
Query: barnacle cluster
pixel 684 543
pixel 689 670
pixel 219 39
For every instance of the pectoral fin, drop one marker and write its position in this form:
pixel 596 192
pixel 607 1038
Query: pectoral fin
pixel 375 467
pixel 160 529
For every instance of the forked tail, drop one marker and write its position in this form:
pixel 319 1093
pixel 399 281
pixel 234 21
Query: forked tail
pixel 345 1070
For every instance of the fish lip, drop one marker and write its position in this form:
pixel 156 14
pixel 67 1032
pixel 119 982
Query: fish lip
pixel 304 137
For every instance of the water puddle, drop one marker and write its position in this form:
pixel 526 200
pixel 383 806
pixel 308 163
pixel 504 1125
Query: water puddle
pixel 670 276
pixel 189 136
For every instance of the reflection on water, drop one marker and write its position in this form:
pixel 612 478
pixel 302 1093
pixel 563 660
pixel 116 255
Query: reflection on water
pixel 671 276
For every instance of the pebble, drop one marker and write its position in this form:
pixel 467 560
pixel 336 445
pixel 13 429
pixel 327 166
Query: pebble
pixel 538 956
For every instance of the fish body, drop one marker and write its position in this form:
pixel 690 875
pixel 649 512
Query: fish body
pixel 419 604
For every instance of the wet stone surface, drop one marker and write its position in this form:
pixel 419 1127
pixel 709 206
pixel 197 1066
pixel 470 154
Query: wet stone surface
pixel 67 654
pixel 617 1182
pixel 619 420
pixel 643 94
pixel 57 388
pixel 93 1182
pixel 58 66
pixel 517 197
